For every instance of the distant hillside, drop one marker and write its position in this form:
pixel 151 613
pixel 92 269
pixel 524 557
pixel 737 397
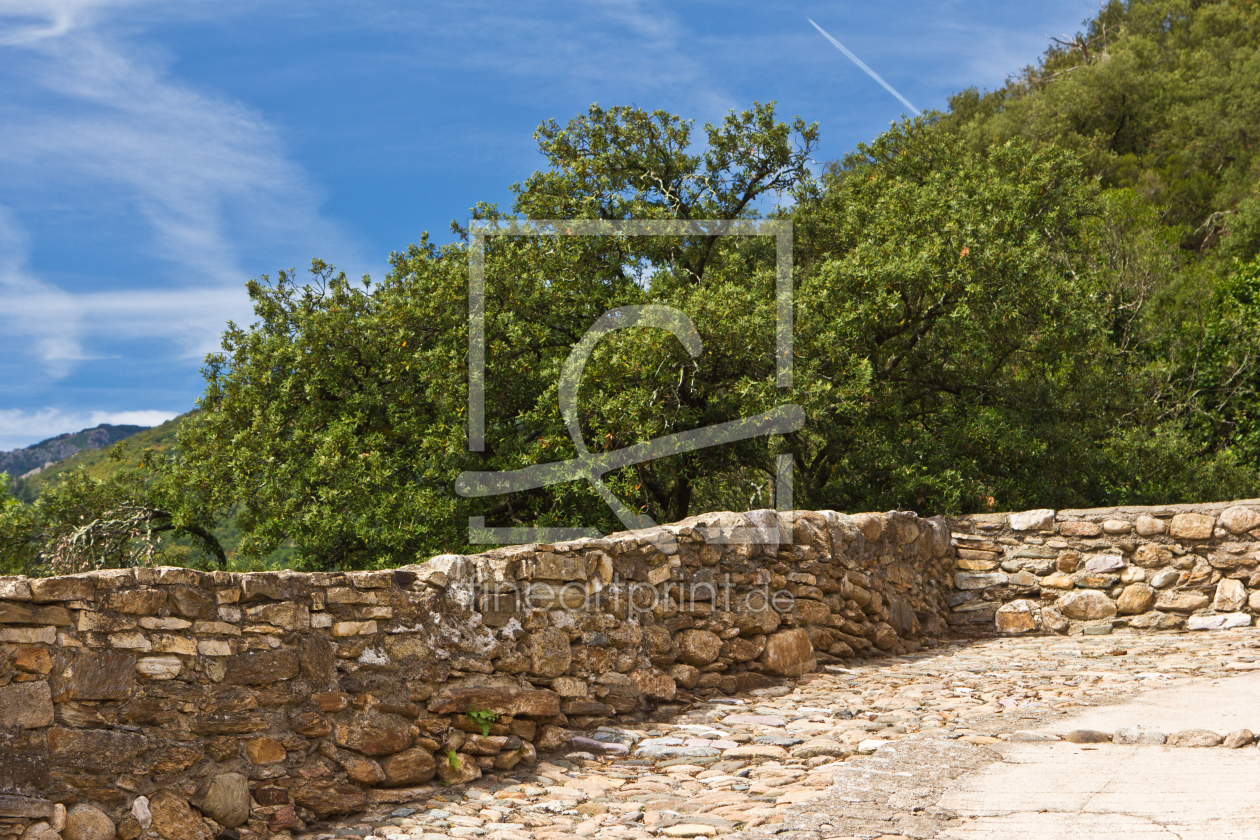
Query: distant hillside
pixel 21 462
pixel 95 460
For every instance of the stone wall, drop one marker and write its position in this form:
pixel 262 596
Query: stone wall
pixel 173 703
pixel 1151 568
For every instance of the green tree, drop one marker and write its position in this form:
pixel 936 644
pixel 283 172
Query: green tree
pixel 79 523
pixel 338 422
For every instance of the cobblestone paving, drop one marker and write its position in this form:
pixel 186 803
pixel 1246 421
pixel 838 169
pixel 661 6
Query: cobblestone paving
pixel 862 751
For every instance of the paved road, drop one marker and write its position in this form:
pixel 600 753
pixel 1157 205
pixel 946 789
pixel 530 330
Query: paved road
pixel 1048 791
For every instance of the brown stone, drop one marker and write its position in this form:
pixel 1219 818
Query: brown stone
pixel 1191 526
pixel 789 653
pixel 1079 529
pixel 754 614
pixel 484 744
pixel 365 771
pixel 26 705
pixel 175 758
pixel 1085 605
pixel 285 821
pixel 740 649
pixel 685 675
pixel 409 767
pixel 174 818
pixel 76 588
pixel 192 604
pixel 40 831
pixel 373 733
pixel 310 724
pixel 33 660
pixel 1234 555
pixel 458 768
pixel 698 647
pixel 551 738
pixel 1182 601
pixel 261 667
pixel 1151 555
pixel 227 800
pixel 332 701
pixel 1136 598
pixel 654 683
pixel 136 601
pixel 83 822
pixel 549 653
pixel 17 613
pixel 502 700
pixel 264 751
pixel 329 799
pixel 95 749
pixel 271 795
pixel 1017 617
pixel 100 675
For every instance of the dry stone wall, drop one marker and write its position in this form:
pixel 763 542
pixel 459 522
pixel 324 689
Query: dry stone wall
pixel 1191 567
pixel 166 702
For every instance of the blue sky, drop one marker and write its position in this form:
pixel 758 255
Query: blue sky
pixel 155 156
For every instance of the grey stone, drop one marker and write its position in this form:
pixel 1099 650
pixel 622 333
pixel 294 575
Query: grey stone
pixel 1230 595
pixel 1239 738
pixel 1182 601
pixel 1137 735
pixel 1099 563
pixel 962 580
pixel 1195 738
pixel 1239 520
pixel 227 800
pixel 1032 520
pixel 26 705
pixel 1165 578
pixel 1220 621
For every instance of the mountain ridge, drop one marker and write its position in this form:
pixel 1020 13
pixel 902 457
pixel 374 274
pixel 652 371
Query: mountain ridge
pixel 30 460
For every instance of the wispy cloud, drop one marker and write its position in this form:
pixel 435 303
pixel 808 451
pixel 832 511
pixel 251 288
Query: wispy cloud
pixel 210 178
pixel 22 428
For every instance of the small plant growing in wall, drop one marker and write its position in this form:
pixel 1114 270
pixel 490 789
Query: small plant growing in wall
pixel 482 718
pixel 452 759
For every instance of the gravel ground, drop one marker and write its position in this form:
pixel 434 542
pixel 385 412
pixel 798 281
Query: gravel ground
pixel 863 751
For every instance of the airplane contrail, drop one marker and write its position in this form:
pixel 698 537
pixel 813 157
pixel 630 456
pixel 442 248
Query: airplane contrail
pixel 866 69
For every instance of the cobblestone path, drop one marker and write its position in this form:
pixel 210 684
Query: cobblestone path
pixel 862 751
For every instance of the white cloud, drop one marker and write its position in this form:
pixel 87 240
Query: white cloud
pixel 210 177
pixel 20 428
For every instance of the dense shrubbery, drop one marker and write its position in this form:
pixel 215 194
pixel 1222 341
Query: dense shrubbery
pixel 1048 296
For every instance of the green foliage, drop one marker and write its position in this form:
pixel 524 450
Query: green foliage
pixel 482 718
pixel 338 420
pixel 959 285
pixel 1161 96
pixel 81 523
pixel 452 759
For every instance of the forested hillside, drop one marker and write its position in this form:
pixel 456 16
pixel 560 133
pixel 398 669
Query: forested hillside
pixel 19 462
pixel 1046 296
